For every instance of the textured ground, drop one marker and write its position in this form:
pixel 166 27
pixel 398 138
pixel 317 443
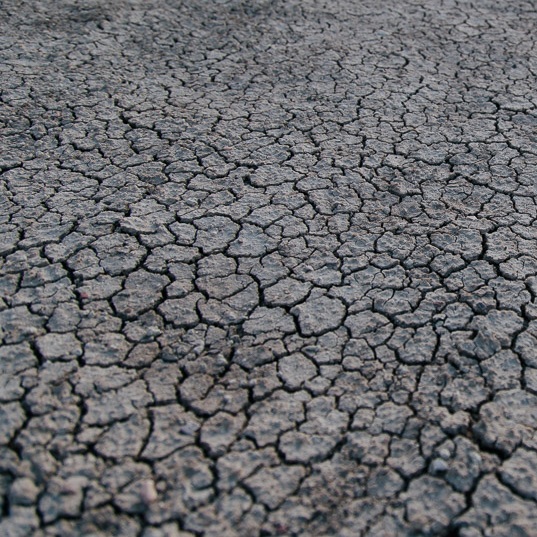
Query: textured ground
pixel 268 268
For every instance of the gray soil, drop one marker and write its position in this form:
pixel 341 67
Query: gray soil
pixel 268 268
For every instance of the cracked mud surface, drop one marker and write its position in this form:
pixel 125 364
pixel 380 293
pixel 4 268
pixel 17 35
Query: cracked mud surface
pixel 268 268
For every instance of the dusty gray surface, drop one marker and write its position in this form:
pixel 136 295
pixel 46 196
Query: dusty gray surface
pixel 268 268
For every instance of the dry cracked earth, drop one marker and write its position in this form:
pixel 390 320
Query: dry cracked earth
pixel 268 268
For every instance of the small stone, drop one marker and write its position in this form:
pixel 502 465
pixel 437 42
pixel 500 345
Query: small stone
pixel 438 466
pixel 148 492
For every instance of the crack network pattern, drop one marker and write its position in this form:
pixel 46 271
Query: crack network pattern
pixel 268 268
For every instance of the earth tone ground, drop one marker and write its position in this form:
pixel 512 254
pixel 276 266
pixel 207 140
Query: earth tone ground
pixel 268 268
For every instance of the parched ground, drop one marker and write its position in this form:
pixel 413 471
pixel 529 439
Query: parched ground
pixel 268 268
